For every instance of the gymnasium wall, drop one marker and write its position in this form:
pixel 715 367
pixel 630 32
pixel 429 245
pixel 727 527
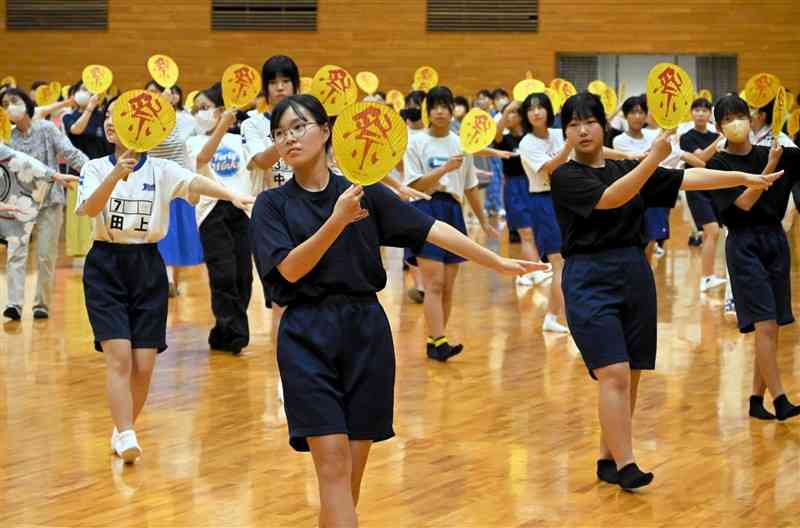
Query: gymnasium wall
pixel 389 38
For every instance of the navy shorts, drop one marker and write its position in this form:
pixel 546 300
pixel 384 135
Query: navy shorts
pixel 656 223
pixel 336 360
pixel 759 267
pixel 545 226
pixel 126 290
pixel 445 208
pixel 611 307
pixel 519 214
pixel 702 208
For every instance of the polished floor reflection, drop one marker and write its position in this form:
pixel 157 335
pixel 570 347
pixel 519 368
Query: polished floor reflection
pixel 504 435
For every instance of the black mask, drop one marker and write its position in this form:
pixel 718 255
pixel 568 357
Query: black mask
pixel 411 114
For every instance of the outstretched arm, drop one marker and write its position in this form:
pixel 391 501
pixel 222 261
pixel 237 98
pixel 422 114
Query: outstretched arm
pixel 449 238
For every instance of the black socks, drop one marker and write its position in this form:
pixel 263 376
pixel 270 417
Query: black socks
pixel 631 477
pixel 784 408
pixel 607 471
pixel 757 409
pixel 440 350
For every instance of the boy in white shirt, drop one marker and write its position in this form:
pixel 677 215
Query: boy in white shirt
pixel 434 164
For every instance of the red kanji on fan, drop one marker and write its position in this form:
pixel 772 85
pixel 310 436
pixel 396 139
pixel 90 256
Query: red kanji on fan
pixel 97 73
pixel 144 107
pixel 373 127
pixel 243 78
pixel 763 83
pixel 162 66
pixel 671 84
pixel 338 81
pixel 481 125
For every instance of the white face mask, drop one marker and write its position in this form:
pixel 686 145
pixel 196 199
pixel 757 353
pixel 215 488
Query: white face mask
pixel 205 120
pixel 16 111
pixel 82 98
pixel 737 130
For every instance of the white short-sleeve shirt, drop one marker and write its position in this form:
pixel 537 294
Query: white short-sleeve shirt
pixel 535 152
pixel 764 138
pixel 256 138
pixel 626 143
pixel 138 210
pixel 227 167
pixel 426 153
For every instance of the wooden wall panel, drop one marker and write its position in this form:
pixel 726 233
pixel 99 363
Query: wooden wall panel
pixel 389 38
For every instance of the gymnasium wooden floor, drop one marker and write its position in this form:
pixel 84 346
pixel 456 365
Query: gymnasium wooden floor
pixel 504 435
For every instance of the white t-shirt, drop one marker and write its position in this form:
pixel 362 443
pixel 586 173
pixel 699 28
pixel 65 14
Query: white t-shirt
pixel 535 152
pixel 227 167
pixel 630 144
pixel 426 153
pixel 394 173
pixel 256 138
pixel 626 143
pixel 764 138
pixel 138 209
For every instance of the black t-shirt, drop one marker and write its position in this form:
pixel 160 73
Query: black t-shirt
pixel 512 167
pixel 771 205
pixel 92 141
pixel 285 217
pixel 576 189
pixel 693 140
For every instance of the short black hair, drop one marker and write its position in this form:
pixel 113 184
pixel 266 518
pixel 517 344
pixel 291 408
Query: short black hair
pixel 214 94
pixel 280 65
pixel 298 103
pixel 730 104
pixel 768 109
pixel 152 84
pixel 178 90
pixel 30 106
pixel 632 102
pixel 73 89
pixel 499 92
pixel 583 105
pixel 108 104
pixel 701 102
pixel 536 99
pixel 460 100
pixel 416 97
pixel 485 92
pixel 439 95
pixel 37 84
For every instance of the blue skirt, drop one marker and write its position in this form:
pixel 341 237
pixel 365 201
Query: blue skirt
pixel 181 246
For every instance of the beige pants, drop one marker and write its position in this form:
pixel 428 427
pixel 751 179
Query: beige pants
pixel 48 230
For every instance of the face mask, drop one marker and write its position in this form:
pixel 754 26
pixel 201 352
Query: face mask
pixel 411 114
pixel 82 98
pixel 737 130
pixel 205 120
pixel 16 111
